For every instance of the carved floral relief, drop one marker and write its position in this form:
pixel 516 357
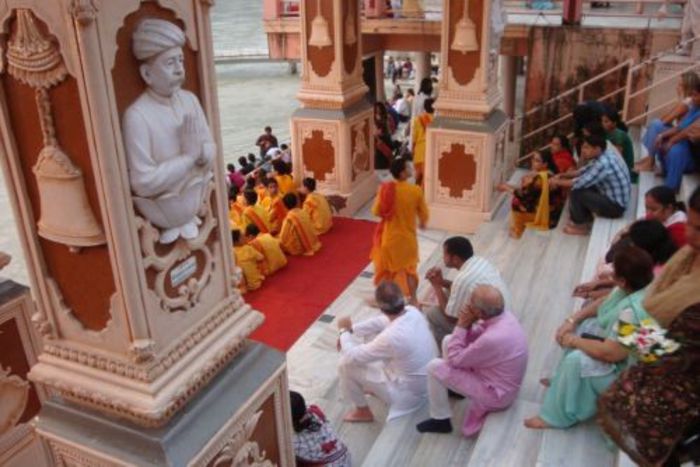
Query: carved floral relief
pixel 14 393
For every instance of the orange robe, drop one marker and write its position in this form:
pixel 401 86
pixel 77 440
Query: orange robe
pixel 277 211
pixel 286 184
pixel 298 236
pixel 247 258
pixel 235 210
pixel 395 246
pixel 271 249
pixel 263 198
pixel 256 215
pixel 317 207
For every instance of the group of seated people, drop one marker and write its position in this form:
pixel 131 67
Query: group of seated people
pixel 630 353
pixel 272 218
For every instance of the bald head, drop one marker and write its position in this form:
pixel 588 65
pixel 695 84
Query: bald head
pixel 488 300
pixel 389 298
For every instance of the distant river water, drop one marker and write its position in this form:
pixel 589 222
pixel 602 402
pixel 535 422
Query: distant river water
pixel 251 95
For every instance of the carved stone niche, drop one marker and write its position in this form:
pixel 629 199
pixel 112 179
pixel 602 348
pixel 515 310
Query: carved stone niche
pixel 133 327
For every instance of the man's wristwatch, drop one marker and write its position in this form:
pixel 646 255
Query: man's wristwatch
pixel 343 331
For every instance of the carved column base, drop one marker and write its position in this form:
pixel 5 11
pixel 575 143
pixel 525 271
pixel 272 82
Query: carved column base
pixel 147 393
pixel 336 148
pixel 465 161
pixel 242 418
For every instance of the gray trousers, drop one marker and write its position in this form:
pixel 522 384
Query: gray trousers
pixel 440 324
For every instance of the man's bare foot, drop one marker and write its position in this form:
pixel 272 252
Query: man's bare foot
pixel 546 382
pixel 645 164
pixel 536 423
pixel 359 415
pixel 576 230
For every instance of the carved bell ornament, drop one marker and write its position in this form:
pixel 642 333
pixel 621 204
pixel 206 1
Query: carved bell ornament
pixel 320 36
pixel 65 214
pixel 465 33
pixel 350 25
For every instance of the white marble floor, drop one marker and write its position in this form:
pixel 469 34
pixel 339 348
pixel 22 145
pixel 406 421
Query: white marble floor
pixel 540 269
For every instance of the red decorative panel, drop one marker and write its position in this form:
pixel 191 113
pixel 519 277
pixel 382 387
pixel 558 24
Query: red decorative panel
pixel 71 271
pixel 464 65
pixel 350 8
pixel 13 358
pixel 318 155
pixel 321 59
pixel 457 170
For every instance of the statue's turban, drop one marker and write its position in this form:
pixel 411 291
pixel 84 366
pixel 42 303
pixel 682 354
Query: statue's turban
pixel 154 36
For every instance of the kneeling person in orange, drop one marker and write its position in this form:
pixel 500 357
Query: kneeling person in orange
pixel 298 236
pixel 270 248
pixel 317 207
pixel 248 259
pixel 395 246
pixel 254 213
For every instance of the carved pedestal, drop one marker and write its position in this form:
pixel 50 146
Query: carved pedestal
pixel 332 134
pixel 466 153
pixel 241 419
pixel 469 161
pixel 20 399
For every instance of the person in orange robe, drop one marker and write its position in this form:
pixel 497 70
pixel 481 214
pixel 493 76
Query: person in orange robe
pixel 418 139
pixel 270 248
pixel 261 188
pixel 395 247
pixel 248 259
pixel 277 210
pixel 298 236
pixel 316 206
pixel 284 178
pixel 235 208
pixel 254 213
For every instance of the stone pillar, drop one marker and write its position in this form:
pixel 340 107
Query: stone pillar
pixel 466 154
pixel 379 73
pixel 375 8
pixel 423 67
pixel 509 73
pixel 332 135
pixel 135 328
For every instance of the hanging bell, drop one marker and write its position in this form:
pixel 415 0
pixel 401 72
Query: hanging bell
pixel 66 216
pixel 465 36
pixel 320 37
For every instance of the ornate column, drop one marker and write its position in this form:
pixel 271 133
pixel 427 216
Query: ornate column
pixel 131 266
pixel 332 133
pixel 466 154
pixel 423 67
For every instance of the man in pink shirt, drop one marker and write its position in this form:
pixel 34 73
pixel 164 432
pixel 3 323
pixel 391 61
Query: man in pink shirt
pixel 484 359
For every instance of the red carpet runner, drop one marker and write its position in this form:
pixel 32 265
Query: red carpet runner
pixel 293 298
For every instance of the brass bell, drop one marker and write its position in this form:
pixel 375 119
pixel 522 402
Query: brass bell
pixel 66 216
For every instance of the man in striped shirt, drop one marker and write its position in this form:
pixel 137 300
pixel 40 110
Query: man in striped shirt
pixel 452 296
pixel 602 187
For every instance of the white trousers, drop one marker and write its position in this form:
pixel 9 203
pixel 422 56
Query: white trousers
pixel 437 395
pixel 355 381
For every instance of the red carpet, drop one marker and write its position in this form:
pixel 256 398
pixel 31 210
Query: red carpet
pixel 293 298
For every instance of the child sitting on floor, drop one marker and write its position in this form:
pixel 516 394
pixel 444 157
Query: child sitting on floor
pixel 270 248
pixel 277 210
pixel 298 235
pixel 248 259
pixel 315 442
pixel 235 208
pixel 316 206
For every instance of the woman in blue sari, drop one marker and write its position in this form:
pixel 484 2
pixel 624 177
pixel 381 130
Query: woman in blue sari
pixel 594 357
pixel 673 146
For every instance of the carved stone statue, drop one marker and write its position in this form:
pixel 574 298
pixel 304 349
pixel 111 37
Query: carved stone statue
pixel 168 142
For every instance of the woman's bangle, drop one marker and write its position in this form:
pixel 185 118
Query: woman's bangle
pixel 570 320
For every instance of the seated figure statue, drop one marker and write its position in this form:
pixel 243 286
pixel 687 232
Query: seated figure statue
pixel 168 143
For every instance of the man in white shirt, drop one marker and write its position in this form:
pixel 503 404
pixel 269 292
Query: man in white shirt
pixel 391 364
pixel 452 296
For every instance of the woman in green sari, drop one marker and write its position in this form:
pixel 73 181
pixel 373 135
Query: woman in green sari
pixel 594 358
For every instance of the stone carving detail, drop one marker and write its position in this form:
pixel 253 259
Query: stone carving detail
pixel 168 142
pixel 189 288
pixel 360 149
pixel 457 166
pixel 318 152
pixel 4 259
pixel 83 11
pixel 69 456
pixel 14 392
pixel 66 216
pixel 240 451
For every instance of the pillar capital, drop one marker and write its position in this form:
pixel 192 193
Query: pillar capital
pixel 471 34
